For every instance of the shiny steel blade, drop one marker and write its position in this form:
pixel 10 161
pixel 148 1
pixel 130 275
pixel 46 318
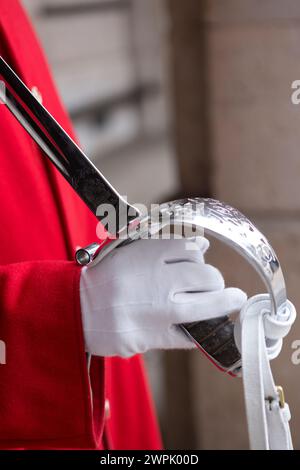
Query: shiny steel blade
pixel 88 182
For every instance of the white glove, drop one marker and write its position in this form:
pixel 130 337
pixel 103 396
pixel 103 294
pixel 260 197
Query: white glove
pixel 134 298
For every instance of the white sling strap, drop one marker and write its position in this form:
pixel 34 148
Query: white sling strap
pixel 261 340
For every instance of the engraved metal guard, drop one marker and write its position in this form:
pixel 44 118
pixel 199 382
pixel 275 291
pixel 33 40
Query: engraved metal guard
pixel 216 337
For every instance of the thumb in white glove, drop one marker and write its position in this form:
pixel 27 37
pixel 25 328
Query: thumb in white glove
pixel 134 299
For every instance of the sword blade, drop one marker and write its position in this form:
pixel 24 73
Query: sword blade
pixel 88 182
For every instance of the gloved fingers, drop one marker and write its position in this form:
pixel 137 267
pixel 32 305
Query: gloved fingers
pixel 201 242
pixel 152 251
pixel 191 277
pixel 181 250
pixel 195 306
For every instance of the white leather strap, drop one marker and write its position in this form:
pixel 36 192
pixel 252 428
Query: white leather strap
pixel 261 340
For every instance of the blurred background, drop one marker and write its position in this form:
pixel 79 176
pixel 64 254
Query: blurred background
pixel 175 98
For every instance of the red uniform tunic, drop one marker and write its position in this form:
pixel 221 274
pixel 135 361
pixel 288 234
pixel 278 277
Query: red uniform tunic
pixel 45 397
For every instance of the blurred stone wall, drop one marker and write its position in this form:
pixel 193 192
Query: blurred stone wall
pixel 238 140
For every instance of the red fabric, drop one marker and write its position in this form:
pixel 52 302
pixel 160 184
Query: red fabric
pixel 44 394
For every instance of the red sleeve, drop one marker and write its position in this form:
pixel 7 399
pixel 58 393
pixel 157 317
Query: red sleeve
pixel 44 391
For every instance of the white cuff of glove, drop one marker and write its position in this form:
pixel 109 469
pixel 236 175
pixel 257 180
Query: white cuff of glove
pixel 133 300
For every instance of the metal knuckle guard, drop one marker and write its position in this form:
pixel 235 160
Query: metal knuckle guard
pixel 214 337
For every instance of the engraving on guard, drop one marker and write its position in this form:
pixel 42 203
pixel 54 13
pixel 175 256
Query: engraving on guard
pixel 216 337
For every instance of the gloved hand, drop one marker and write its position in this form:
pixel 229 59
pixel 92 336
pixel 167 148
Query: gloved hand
pixel 134 298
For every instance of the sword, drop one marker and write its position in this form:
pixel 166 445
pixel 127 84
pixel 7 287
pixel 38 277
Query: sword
pixel 214 337
pixel 88 182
